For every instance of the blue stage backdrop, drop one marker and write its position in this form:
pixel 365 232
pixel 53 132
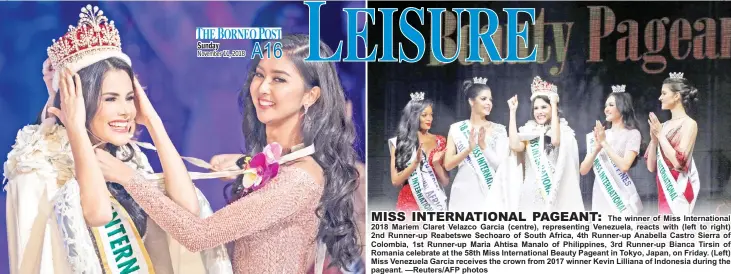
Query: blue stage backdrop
pixel 196 97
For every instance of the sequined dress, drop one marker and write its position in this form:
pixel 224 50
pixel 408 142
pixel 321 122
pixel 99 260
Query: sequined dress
pixel 406 201
pixel 273 228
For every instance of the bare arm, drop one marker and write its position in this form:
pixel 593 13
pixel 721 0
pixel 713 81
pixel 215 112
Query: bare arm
pixel 94 196
pixel 678 158
pixel 95 202
pixel 588 162
pixel 651 155
pixel 515 143
pixel 555 126
pixel 651 152
pixel 451 157
pixel 178 184
pixel 441 172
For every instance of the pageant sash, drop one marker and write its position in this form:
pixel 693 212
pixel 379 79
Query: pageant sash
pixel 424 184
pixel 476 159
pixel 233 171
pixel 674 189
pixel 120 245
pixel 608 173
pixel 542 167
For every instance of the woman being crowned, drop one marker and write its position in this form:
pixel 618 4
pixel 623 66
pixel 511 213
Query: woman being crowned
pixel 63 214
pixel 547 146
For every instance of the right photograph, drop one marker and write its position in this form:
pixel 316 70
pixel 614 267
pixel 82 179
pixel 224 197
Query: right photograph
pixel 625 110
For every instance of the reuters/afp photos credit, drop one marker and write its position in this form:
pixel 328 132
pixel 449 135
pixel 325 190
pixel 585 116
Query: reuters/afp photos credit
pixel 548 137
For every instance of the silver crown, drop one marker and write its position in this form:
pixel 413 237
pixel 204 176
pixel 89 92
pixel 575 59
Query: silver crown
pixel 618 88
pixel 417 96
pixel 676 75
pixel 480 80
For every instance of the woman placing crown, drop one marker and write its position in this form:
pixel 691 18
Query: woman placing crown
pixel 416 159
pixel 549 151
pixel 291 211
pixel 478 146
pixel 611 153
pixel 670 151
pixel 62 216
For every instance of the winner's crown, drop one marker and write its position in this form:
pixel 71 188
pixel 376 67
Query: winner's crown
pixel 480 80
pixel 417 96
pixel 618 88
pixel 540 87
pixel 93 35
pixel 676 75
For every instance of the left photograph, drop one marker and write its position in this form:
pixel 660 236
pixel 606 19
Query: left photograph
pixel 198 140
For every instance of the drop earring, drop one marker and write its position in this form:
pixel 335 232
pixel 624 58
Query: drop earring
pixel 306 107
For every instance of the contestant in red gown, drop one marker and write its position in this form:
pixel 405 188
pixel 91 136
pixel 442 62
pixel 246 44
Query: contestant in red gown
pixel 676 139
pixel 406 201
pixel 413 133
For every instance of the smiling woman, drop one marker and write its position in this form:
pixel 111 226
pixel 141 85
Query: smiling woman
pixel 54 176
pixel 547 146
pixel 307 205
pixel 109 101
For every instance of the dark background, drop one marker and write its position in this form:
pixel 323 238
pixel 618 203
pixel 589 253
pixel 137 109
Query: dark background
pixel 583 88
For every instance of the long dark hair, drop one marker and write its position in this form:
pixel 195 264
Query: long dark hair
pixel 623 101
pixel 472 89
pixel 326 126
pixel 407 136
pixel 688 92
pixel 92 78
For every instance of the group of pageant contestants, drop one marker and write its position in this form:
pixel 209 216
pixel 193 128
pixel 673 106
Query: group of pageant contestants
pixel 536 167
pixel 83 198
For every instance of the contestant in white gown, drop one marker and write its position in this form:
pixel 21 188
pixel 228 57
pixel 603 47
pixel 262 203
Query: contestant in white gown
pixel 547 147
pixel 477 146
pixel 62 217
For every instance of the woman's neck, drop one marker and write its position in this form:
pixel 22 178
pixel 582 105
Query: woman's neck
pixel 678 112
pixel 287 133
pixel 477 119
pixel 618 124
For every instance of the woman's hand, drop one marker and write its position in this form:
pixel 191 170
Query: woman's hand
pixel 419 153
pixel 145 112
pixel 600 135
pixel 113 169
pixel 481 138
pixel 513 103
pixel 48 72
pixel 554 100
pixel 222 162
pixel 438 156
pixel 655 127
pixel 473 139
pixel 73 111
